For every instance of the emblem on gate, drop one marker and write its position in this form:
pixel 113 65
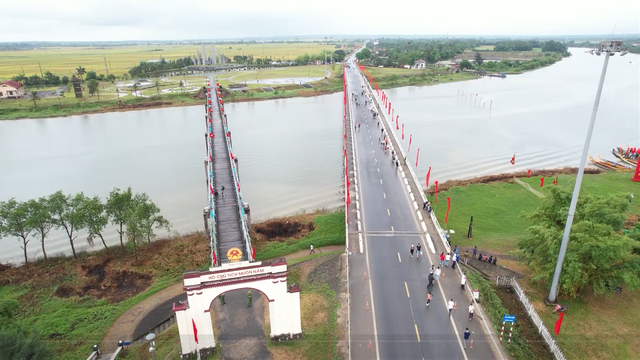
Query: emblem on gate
pixel 234 254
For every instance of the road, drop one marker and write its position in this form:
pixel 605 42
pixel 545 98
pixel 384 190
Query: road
pixel 406 328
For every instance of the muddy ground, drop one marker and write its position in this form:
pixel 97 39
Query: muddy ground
pixel 508 177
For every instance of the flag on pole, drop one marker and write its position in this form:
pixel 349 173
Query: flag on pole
pixel 215 259
pixel 417 155
pixel 559 323
pixel 555 182
pixel 195 330
pixel 409 149
pixel 513 159
pixel 436 199
pixel 541 182
pixel 448 206
pixel 428 174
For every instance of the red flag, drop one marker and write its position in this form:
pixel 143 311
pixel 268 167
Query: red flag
pixel 215 259
pixel 528 173
pixel 253 253
pixel 195 330
pixel 417 155
pixel 428 174
pixel 541 182
pixel 397 123
pixel 448 206
pixel 436 200
pixel 211 188
pixel 555 182
pixel 409 149
pixel 513 159
pixel 402 131
pixel 559 323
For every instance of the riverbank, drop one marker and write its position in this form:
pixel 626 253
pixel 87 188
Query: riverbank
pixel 498 208
pixel 72 303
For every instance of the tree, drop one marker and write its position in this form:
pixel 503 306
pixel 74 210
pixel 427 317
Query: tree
pixel 92 85
pixel 42 219
pixel 35 97
pixel 110 78
pixel 148 217
pixel 91 75
pixel 68 213
pixel 157 85
pixel 393 79
pixel 135 89
pixel 51 79
pixel 118 207
pixel 80 71
pixel 479 59
pixel 363 54
pixel 597 256
pixel 97 219
pixel 181 85
pixel 465 64
pixel 16 220
pixel 554 46
pixel 64 80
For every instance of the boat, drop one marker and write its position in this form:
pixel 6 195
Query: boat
pixel 620 155
pixel 610 165
pixel 501 75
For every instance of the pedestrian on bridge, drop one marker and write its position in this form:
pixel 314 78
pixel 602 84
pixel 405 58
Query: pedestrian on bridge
pixel 249 301
pixel 437 273
pixel 475 251
pixel 463 281
pixel 411 250
pixel 430 284
pixel 450 306
pixel 312 251
pixel 447 258
pixel 222 190
pixel 466 256
pixel 441 258
pixel 471 310
pixel 429 296
pixel 467 335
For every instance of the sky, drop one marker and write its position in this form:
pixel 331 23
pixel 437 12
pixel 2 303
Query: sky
pixel 118 20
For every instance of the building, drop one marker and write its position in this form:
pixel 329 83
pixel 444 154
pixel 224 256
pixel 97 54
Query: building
pixel 11 89
pixel 420 64
pixel 444 63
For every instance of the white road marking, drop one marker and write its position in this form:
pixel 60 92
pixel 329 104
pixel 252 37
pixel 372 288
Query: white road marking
pixel 380 181
pixel 384 195
pixel 388 213
pixel 400 260
pixel 378 169
pixel 407 288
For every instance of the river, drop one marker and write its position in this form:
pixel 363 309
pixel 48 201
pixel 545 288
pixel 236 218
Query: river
pixel 290 150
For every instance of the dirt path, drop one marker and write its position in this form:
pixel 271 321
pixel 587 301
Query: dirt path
pixel 528 187
pixel 124 327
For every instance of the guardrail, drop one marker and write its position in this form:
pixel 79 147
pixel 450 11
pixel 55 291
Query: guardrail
pixel 213 235
pixel 378 100
pixel 236 183
pixel 533 315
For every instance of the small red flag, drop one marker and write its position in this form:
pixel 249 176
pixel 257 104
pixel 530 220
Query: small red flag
pixel 409 149
pixel 436 200
pixel 555 182
pixel 417 155
pixel 513 159
pixel 195 330
pixel 402 131
pixel 528 173
pixel 559 323
pixel 215 259
pixel 541 182
pixel 397 123
pixel 448 206
pixel 428 174
pixel 253 253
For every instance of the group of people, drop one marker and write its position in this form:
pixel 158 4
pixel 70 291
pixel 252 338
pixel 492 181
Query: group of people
pixel 491 259
pixel 427 206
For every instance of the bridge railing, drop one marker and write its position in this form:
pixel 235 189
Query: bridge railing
pixel 381 111
pixel 213 236
pixel 236 182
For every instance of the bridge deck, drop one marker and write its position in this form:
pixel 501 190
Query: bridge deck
pixel 228 223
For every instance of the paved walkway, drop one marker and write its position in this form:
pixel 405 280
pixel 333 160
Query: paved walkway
pixel 124 327
pixel 528 187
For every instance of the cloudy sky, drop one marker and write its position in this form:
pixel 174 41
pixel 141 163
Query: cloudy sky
pixel 87 20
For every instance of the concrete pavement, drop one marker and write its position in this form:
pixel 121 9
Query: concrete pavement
pixel 404 327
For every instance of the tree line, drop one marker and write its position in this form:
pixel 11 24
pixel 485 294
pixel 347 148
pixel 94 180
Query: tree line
pixel 338 55
pixel 146 68
pixel 600 255
pixel 50 78
pixel 392 52
pixel 134 215
pixel 529 45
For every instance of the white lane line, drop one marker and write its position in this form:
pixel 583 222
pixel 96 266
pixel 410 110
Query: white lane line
pixel 384 195
pixel 388 213
pixel 430 242
pixel 399 260
pixel 392 229
pixel 380 181
pixel 407 288
pixel 378 169
pixel 376 159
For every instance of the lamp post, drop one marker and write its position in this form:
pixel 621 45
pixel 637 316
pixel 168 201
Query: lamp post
pixel 608 48
pixel 152 344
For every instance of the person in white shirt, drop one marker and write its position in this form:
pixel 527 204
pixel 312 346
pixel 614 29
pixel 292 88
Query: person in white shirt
pixel 446 259
pixel 450 306
pixel 463 281
pixel 437 273
pixel 471 308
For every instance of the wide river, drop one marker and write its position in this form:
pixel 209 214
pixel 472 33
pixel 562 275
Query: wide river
pixel 290 151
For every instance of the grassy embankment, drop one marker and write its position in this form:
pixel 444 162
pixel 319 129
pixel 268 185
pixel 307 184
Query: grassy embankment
pixel 595 326
pixel 388 78
pixel 64 61
pixel 107 101
pixel 72 303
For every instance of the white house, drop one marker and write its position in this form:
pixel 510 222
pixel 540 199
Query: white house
pixel 420 64
pixel 11 89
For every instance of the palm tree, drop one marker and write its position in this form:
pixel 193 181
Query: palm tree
pixel 135 89
pixel 35 97
pixel 80 71
pixel 157 85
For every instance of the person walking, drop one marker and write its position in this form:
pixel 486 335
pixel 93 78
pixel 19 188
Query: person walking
pixel 312 251
pixel 450 306
pixel 432 270
pixel 447 258
pixel 222 302
pixel 467 335
pixel 441 258
pixel 222 190
pixel 411 250
pixel 431 278
pixel 453 261
pixel 418 250
pixel 249 301
pixel 466 256
pixel 463 281
pixel 471 309
pixel 428 298
pixel 437 273
pixel 475 251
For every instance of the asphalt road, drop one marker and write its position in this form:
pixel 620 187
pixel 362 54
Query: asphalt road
pixel 406 328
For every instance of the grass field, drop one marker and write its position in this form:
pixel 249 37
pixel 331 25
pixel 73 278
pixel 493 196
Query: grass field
pixel 415 77
pixel 278 73
pixel 497 207
pixel 485 47
pixel 595 327
pixel 120 59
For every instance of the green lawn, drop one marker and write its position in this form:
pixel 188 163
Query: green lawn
pixel 497 207
pixel 485 47
pixel 277 73
pixel 414 77
pixel 329 231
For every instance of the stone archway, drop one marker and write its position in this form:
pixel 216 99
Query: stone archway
pixel 203 287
